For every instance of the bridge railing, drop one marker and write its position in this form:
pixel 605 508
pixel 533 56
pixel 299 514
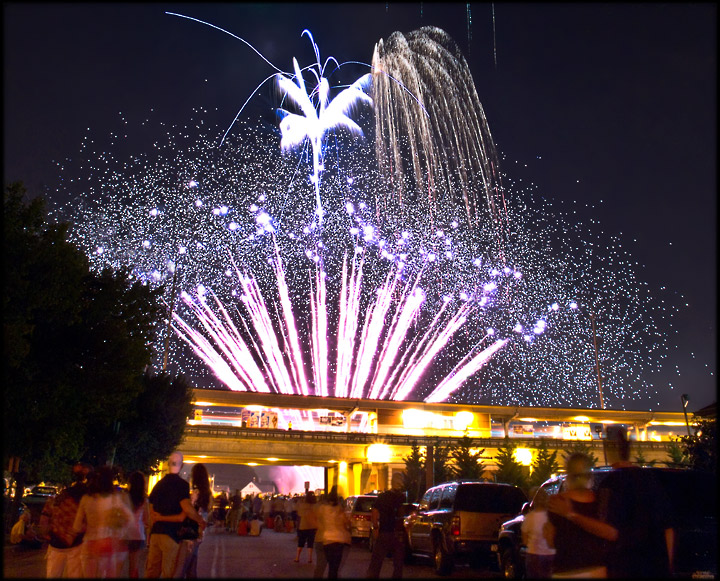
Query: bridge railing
pixel 390 439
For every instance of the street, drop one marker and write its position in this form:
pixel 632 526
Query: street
pixel 271 555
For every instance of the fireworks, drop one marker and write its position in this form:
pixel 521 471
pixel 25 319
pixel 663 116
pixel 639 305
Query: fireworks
pixel 383 298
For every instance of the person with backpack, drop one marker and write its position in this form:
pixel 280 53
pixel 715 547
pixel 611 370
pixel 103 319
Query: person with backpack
pixel 63 558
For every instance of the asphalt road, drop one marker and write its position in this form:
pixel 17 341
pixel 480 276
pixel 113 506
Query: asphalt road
pixel 271 555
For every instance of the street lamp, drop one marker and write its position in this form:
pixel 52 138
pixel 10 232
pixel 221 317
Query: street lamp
pixel 685 400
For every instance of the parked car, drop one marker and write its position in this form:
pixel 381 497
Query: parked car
pixel 37 498
pixel 460 521
pixel 693 507
pixel 359 509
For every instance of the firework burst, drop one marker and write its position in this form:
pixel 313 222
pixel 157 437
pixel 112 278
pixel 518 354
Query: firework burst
pixel 384 298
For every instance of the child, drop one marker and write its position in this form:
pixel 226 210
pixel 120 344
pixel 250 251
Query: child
pixel 243 525
pixel 255 526
pixel 538 535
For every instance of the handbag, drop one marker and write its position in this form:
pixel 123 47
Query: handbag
pixel 189 530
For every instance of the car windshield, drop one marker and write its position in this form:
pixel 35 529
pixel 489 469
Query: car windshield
pixel 43 490
pixel 483 498
pixel 364 504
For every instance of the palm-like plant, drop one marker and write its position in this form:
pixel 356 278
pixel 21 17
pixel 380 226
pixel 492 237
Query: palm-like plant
pixel 316 121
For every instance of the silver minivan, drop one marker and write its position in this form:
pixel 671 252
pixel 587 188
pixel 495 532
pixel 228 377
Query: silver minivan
pixel 359 511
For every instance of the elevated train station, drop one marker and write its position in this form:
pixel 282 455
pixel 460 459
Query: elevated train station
pixel 360 443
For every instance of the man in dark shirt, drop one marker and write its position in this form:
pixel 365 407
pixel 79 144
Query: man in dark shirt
pixel 634 503
pixel 169 497
pixel 388 529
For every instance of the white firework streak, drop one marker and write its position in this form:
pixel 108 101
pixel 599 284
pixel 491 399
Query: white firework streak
pixel 244 375
pixel 290 328
pixel 370 335
pixel 347 327
pixel 372 373
pixel 463 371
pixel 318 312
pixel 262 324
pixel 422 356
pixel 406 311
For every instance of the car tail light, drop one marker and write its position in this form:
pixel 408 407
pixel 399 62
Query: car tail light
pixel 455 526
pixel 361 517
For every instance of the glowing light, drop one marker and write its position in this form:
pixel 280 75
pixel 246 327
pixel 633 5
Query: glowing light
pixel 379 453
pixel 416 419
pixel 463 420
pixel 523 456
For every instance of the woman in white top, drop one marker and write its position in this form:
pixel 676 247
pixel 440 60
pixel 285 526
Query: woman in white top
pixel 538 534
pixel 104 515
pixel 335 527
pixel 137 530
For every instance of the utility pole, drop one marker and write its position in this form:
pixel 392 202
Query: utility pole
pixel 597 361
pixel 169 325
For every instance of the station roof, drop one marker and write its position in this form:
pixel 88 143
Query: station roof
pixel 228 398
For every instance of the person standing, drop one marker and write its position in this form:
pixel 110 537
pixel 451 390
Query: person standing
pixel 170 496
pixel 137 538
pixel 307 527
pixel 235 509
pixel 336 532
pixel 579 552
pixel 538 535
pixel 634 505
pixel 103 515
pixel 388 529
pixel 320 560
pixel 201 498
pixel 64 548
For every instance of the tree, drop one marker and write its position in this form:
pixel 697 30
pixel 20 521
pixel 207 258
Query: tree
pixel 581 447
pixel 80 341
pixel 441 470
pixel 640 459
pixel 467 464
pixel 700 449
pixel 544 465
pixel 155 426
pixel 414 474
pixel 510 470
pixel 676 458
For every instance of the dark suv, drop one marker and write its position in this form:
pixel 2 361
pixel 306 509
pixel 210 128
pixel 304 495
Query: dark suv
pixel 692 497
pixel 460 520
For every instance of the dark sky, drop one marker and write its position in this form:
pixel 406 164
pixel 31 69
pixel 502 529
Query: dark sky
pixel 602 102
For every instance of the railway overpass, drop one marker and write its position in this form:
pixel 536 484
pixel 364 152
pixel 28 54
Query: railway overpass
pixel 360 442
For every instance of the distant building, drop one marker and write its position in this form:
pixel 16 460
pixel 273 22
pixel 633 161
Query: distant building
pixel 255 487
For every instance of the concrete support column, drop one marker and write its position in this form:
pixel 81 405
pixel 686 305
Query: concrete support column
pixel 383 480
pixel 429 467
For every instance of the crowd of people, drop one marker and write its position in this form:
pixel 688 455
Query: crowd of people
pixel 95 529
pixel 622 531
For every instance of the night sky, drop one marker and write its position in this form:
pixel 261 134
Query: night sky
pixel 612 105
